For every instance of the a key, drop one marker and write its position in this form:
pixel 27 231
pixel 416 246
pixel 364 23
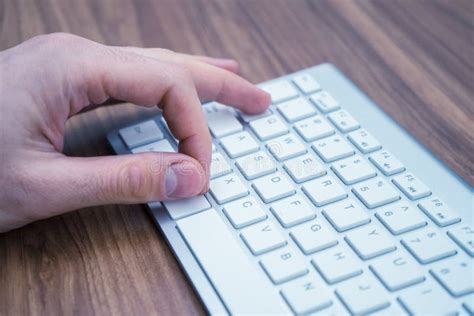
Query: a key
pixel 256 165
pixel 307 295
pixel 286 147
pixel 353 169
pixel 324 190
pixel 364 141
pixel 363 295
pixel 283 265
pixel 227 188
pixel 413 188
pixel 304 168
pixel 222 123
pixel 293 210
pixel 219 166
pixel 140 134
pixel 280 90
pixel 401 217
pixel 428 246
pixel 262 237
pixel 343 121
pixel 346 215
pixel 457 276
pixel 463 235
pixel 333 148
pixel 375 192
pixel 439 212
pixel 181 208
pixel 306 83
pixel 252 117
pixel 397 271
pixel 324 101
pixel 273 187
pixel 314 128
pixel 336 264
pixel 395 309
pixel 313 236
pixel 244 212
pixel 296 109
pixel 159 146
pixel 239 144
pixel 268 127
pixel 370 242
pixel 387 163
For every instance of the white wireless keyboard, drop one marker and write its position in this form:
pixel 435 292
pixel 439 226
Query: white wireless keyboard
pixel 322 204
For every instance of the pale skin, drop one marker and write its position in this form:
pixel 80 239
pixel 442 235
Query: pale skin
pixel 47 79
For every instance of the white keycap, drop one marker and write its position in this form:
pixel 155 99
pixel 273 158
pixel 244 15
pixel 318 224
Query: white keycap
pixel 244 212
pixel 286 147
pixel 159 146
pixel 401 217
pixel 227 188
pixel 228 267
pixel 181 208
pixel 256 165
pixel 280 90
pixel 263 237
pixel 363 295
pixel 239 144
pixel 324 190
pixel 364 141
pixel 353 169
pixel 313 236
pixel 219 166
pixel 395 309
pixel 333 148
pixel 469 304
pixel 283 265
pixel 314 128
pixel 428 246
pixel 343 121
pixel 439 212
pixel 304 168
pixel 306 83
pixel 293 210
pixel 140 134
pixel 252 117
pixel 463 235
pixel 296 109
pixel 413 188
pixel 375 192
pixel 273 187
pixel 397 271
pixel 457 276
pixel 370 242
pixel 387 163
pixel 307 295
pixel 336 264
pixel 346 215
pixel 324 101
pixel 268 127
pixel 223 123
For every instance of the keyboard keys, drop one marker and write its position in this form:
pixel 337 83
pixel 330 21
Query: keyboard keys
pixel 364 141
pixel 222 122
pixel 273 187
pixel 429 246
pixel 324 101
pixel 256 165
pixel 181 208
pixel 280 90
pixel 296 109
pixel 293 210
pixel 313 236
pixel 219 166
pixel 239 144
pixel 343 121
pixel 324 190
pixel 413 188
pixel 370 242
pixel 333 148
pixel 314 128
pixel 463 235
pixel 304 168
pixel 263 237
pixel 244 212
pixel 227 188
pixel 307 296
pixel 306 83
pixel 283 265
pixel 159 146
pixel 439 212
pixel 457 276
pixel 353 169
pixel 387 163
pixel 252 117
pixel 285 147
pixel 336 264
pixel 346 215
pixel 140 134
pixel 375 192
pixel 400 218
pixel 268 127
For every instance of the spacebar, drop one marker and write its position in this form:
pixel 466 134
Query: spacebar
pixel 242 288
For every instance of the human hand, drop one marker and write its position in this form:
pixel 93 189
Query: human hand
pixel 50 78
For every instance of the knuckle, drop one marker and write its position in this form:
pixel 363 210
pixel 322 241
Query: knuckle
pixel 56 38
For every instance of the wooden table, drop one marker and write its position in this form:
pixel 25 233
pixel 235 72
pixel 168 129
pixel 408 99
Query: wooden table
pixel 413 57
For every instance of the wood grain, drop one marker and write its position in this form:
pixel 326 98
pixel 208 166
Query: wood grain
pixel 414 58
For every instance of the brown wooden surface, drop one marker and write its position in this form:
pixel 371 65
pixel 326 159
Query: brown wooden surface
pixel 413 57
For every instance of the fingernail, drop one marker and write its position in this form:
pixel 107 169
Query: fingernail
pixel 183 179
